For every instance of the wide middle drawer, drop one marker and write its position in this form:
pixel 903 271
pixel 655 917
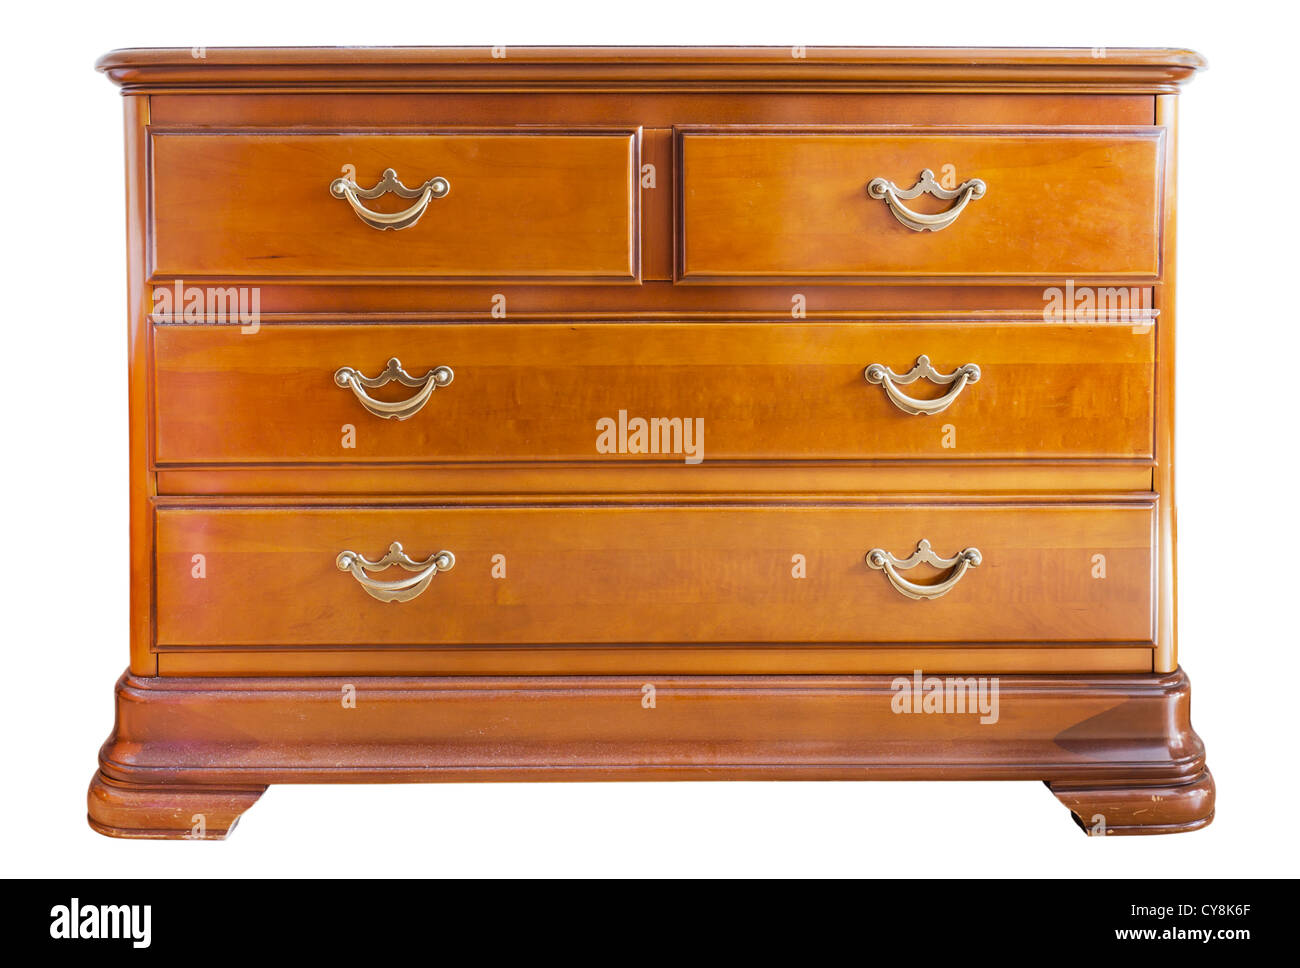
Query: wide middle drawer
pixel 295 576
pixel 662 391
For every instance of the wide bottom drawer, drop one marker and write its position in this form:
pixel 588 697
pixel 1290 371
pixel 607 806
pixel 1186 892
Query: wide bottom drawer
pixel 280 578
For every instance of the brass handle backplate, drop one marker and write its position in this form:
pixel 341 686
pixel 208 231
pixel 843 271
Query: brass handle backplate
pixel 916 221
pixel 350 379
pixel 882 560
pixel 404 589
pixel 891 381
pixel 436 187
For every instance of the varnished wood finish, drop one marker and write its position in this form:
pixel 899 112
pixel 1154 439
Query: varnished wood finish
pixel 656 205
pixel 143 483
pixel 671 233
pixel 1081 732
pixel 654 109
pixel 626 481
pixel 166 811
pixel 296 729
pixel 415 300
pixel 1166 658
pixel 521 205
pixel 1126 808
pixel 617 69
pixel 693 659
pixel 763 391
pixel 794 204
pixel 699 574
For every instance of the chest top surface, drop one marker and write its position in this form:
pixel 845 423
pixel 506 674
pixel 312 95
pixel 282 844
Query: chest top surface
pixel 586 68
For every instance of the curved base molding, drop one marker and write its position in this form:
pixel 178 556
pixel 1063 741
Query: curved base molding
pixel 166 811
pixel 1117 808
pixel 189 755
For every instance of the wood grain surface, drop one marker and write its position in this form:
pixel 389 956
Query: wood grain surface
pixel 793 204
pixel 648 574
pixel 768 391
pixel 521 205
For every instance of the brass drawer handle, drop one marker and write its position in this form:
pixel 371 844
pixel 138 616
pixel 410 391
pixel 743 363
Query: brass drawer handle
pixel 891 381
pixel 882 560
pixel 402 590
pixel 350 379
pixel 917 221
pixel 436 187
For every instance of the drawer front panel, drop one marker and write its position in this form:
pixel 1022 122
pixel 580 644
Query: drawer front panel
pixel 543 206
pixel 272 577
pixel 574 392
pixel 797 205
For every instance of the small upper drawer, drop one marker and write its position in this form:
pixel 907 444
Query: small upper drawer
pixel 535 205
pixel 835 204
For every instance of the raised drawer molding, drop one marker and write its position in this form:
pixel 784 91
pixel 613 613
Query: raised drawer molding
pixel 651 413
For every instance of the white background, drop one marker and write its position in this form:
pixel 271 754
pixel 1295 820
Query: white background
pixel 64 553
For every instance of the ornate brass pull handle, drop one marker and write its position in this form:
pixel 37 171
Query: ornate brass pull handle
pixel 435 187
pixel 887 378
pixel 350 379
pixel 404 589
pixel 882 560
pixel 917 221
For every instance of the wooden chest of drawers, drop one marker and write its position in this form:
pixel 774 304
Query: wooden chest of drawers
pixel 528 413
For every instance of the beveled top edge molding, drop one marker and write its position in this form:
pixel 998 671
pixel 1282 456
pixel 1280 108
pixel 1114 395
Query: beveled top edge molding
pixel 631 67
